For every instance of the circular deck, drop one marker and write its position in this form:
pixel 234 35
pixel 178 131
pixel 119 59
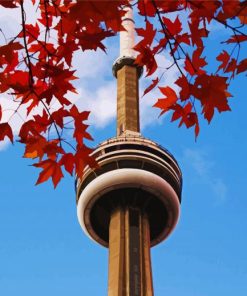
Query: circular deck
pixel 133 172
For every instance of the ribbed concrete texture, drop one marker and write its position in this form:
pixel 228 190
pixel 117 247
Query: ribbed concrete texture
pixel 127 100
pixel 129 253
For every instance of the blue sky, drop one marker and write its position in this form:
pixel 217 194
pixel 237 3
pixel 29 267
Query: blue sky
pixel 43 250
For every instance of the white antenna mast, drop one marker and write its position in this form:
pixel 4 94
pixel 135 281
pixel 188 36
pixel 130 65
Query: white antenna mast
pixel 127 38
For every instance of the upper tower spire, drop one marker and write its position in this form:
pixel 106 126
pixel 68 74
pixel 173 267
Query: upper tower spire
pixel 127 74
pixel 127 38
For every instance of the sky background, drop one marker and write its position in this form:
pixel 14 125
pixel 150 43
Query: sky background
pixel 43 250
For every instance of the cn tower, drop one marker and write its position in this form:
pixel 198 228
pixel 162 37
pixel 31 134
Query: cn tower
pixel 132 201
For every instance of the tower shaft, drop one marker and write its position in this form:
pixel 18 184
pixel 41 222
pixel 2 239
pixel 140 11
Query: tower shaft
pixel 127 100
pixel 129 253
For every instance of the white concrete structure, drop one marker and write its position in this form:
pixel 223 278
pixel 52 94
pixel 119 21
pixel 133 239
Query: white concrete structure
pixel 127 38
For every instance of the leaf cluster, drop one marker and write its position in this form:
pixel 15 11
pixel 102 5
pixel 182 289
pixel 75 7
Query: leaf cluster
pixel 37 72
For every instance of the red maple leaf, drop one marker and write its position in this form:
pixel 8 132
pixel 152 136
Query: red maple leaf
pixel 223 57
pixel 188 117
pixel 6 131
pixel 34 147
pixel 173 27
pixel 242 66
pixel 166 103
pixel 51 169
pixel 184 85
pixel 59 115
pixel 236 39
pixel 193 66
pixel 83 158
pixel 146 58
pixel 146 8
pixel 148 34
pixel 212 92
pixel 8 3
pixel 7 51
pixel 151 86
pixel 68 161
pixel 80 128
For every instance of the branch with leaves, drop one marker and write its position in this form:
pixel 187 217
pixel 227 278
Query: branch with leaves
pixel 37 72
pixel 185 28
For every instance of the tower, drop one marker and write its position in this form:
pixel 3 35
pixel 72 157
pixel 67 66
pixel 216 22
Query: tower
pixel 132 201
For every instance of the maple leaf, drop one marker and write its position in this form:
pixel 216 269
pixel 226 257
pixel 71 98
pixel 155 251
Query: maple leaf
pixel 166 103
pixel 31 32
pixel 33 128
pixel 151 86
pixel 146 8
pixel 146 58
pixel 53 148
pixel 68 161
pixel 6 131
pixel 91 38
pixel 223 57
pixel 43 49
pixel 185 91
pixel 51 169
pixel 8 3
pixel 14 62
pixel 231 67
pixel 83 158
pixel 160 46
pixel 174 28
pixel 46 19
pixel 42 121
pixel 80 128
pixel 197 33
pixel 7 51
pixel 243 19
pixel 170 6
pixel 236 39
pixel 183 112
pixel 108 12
pixel 112 13
pixel 34 147
pixel 242 66
pixel 148 34
pixel 65 50
pixel 211 90
pixel 231 9
pixel 59 115
pixel 183 38
pixel 205 10
pixel 19 81
pixel 187 117
pixel 192 66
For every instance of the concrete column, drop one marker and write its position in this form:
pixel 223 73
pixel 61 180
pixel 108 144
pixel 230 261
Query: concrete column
pixel 146 258
pixel 130 271
pixel 116 277
pixel 127 100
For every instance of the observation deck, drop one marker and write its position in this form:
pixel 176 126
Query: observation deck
pixel 133 172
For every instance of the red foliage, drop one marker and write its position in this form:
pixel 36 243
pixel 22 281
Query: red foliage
pixel 36 69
